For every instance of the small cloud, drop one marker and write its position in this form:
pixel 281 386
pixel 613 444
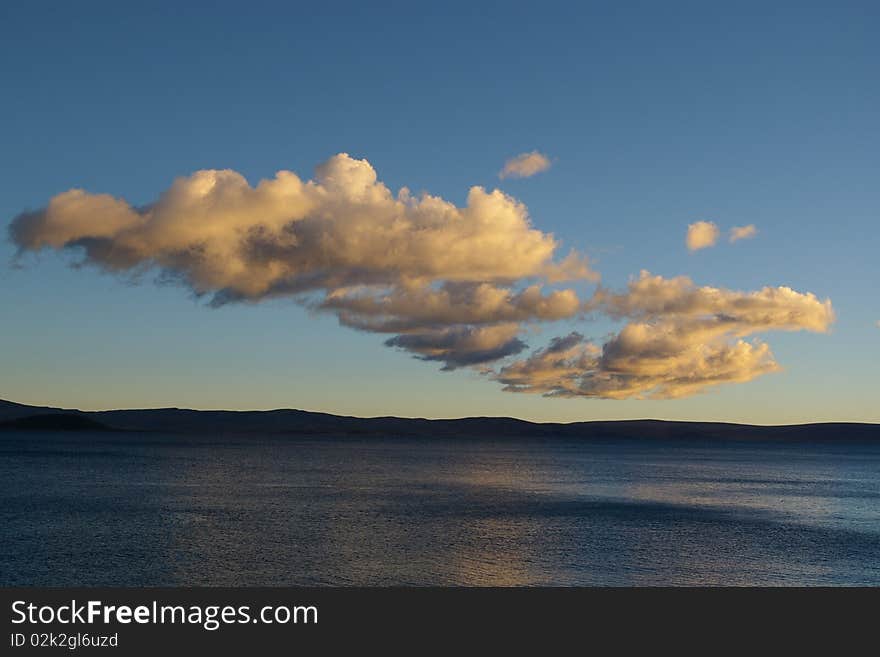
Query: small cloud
pixel 525 165
pixel 738 233
pixel 701 235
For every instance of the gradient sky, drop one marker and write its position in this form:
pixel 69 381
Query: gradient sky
pixel 654 116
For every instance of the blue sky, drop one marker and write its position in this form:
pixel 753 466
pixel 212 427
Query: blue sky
pixel 655 115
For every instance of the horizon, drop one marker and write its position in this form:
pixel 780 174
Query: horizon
pixel 415 417
pixel 564 214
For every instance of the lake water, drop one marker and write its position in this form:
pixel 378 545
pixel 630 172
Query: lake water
pixel 151 509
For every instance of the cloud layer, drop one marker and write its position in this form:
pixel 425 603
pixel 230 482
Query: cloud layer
pixel 448 279
pixel 455 285
pixel 525 165
pixel 681 339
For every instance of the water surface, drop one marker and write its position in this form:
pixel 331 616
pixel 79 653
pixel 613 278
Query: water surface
pixel 150 509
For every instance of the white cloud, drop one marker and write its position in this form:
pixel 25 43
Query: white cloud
pixel 525 165
pixel 701 235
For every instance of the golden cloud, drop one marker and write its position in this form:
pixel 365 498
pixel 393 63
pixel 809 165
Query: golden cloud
pixel 456 285
pixel 525 165
pixel 383 262
pixel 701 235
pixel 683 339
pixel 738 233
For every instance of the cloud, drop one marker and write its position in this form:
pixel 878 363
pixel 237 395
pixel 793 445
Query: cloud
pixel 462 345
pixel 681 340
pixel 701 235
pixel 343 243
pixel 738 233
pixel 404 309
pixel 525 165
pixel 651 298
pixel 641 362
pixel 457 285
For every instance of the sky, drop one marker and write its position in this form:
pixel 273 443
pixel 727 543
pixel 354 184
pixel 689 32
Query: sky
pixel 730 151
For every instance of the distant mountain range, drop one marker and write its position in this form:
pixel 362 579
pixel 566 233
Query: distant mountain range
pixel 15 416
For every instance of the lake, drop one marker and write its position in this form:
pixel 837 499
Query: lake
pixel 137 509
